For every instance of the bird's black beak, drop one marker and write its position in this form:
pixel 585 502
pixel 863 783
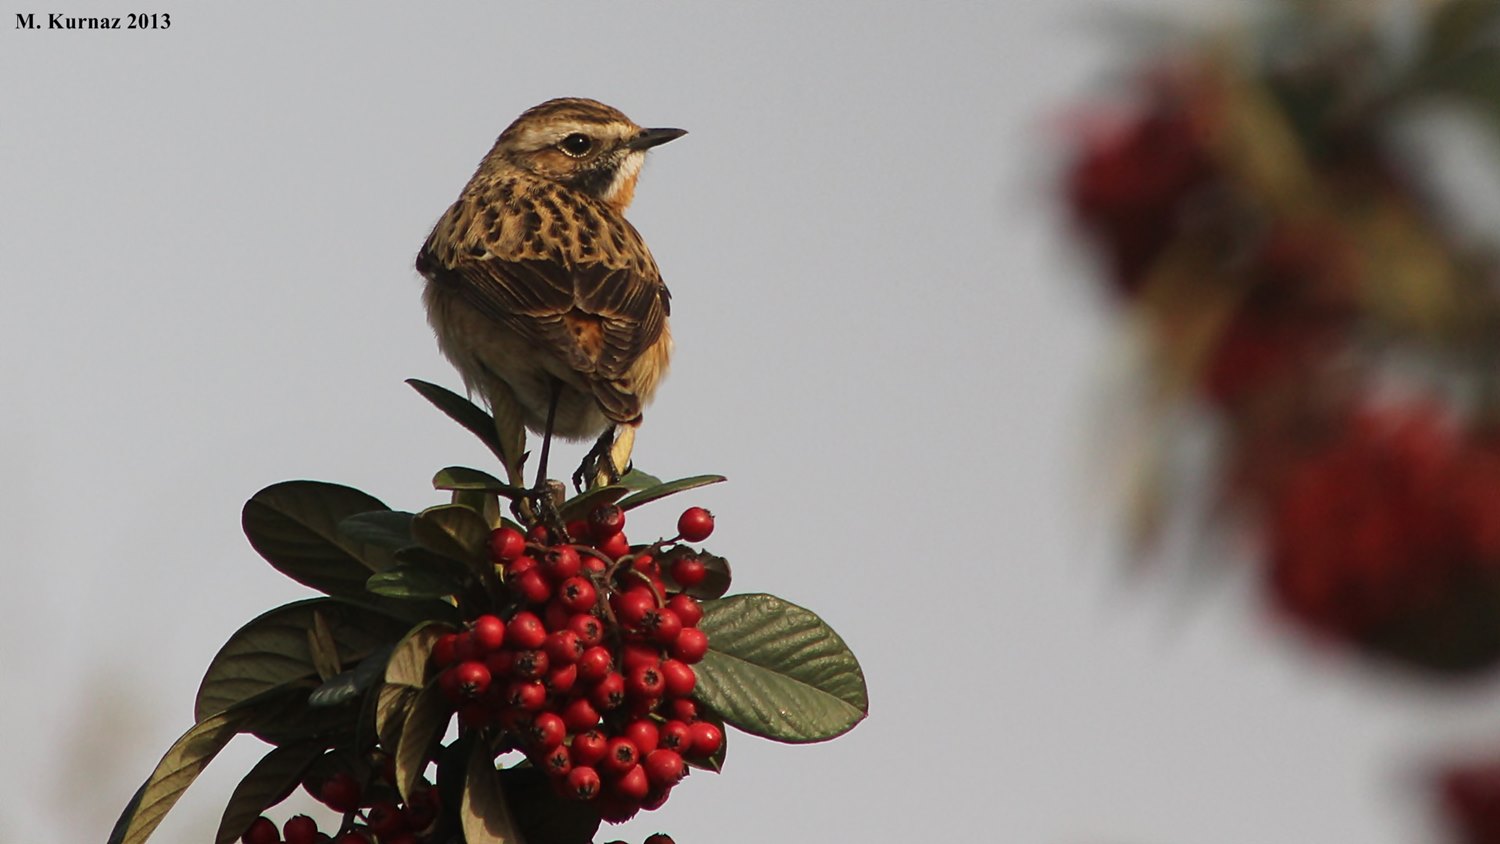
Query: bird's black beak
pixel 649 138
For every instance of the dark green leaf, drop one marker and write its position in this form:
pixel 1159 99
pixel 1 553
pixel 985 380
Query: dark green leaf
pixel 463 478
pixel 322 649
pixel 383 533
pixel 646 496
pixel 454 531
pixel 413 582
pixel 484 813
pixel 775 670
pixel 426 721
pixel 267 784
pixel 636 479
pixel 347 685
pixel 579 506
pixel 408 663
pixel 176 771
pixel 272 650
pixel 294 525
pixel 392 706
pixel 462 411
pixel 715 582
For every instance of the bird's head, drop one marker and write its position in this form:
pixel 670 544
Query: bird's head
pixel 583 144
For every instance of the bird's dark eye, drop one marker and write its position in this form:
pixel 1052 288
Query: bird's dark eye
pixel 577 144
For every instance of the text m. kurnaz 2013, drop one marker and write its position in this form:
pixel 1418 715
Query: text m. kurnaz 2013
pixel 57 20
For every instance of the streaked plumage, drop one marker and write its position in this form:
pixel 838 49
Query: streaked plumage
pixel 535 276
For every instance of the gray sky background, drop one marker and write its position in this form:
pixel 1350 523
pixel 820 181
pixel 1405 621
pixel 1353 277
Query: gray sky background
pixel 885 339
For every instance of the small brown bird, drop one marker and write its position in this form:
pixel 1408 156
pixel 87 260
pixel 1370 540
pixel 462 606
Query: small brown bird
pixel 541 293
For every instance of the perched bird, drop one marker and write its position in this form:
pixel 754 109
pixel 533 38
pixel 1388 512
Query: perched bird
pixel 541 293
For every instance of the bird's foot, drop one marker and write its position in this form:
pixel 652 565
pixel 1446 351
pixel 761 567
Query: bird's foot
pixel 599 462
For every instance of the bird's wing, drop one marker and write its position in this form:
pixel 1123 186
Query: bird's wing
pixel 585 292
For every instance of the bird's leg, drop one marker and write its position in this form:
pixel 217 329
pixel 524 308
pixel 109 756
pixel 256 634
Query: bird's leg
pixel 597 468
pixel 546 504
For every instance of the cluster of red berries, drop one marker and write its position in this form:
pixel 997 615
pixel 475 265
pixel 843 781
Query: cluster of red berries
pixel 1390 534
pixel 372 814
pixel 591 675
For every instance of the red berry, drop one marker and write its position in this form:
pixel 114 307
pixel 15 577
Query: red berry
pixel 262 831
pixel 662 625
pixel 643 733
pixel 563 647
pixel 300 829
pixel 561 679
pixel 531 664
pixel 422 808
pixel 636 654
pixel 645 681
pixel 385 819
pixel 690 646
pixel 472 678
pixel 533 587
pixel 539 535
pixel 682 709
pixel 340 792
pixel 500 663
pixel 519 566
pixel 658 837
pixel 687 608
pixel 556 762
pixel 606 520
pixel 632 784
pixel 620 755
pixel 580 715
pixel 665 768
pixel 609 693
pixel 645 564
pixel 489 633
pixel 590 630
pixel 595 663
pixel 444 650
pixel 561 563
pixel 706 738
pixel 529 695
pixel 583 782
pixel 577 594
pixel 579 530
pixel 526 631
pixel 506 544
pixel 353 836
pixel 632 605
pixel 474 715
pixel 678 678
pixel 675 735
pixel 594 564
pixel 615 546
pixel 689 571
pixel 588 747
pixel 695 524
pixel 547 730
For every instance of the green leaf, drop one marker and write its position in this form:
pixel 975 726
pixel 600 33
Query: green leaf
pixel 646 496
pixel 321 647
pixel 272 650
pixel 579 506
pixel 484 813
pixel 776 670
pixel 294 526
pixel 187 757
pixel 267 784
pixel 382 532
pixel 408 663
pixel 454 531
pixel 462 411
pixel 426 721
pixel 473 480
pixel 413 583
pixel 636 479
pixel 715 582
pixel 347 685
